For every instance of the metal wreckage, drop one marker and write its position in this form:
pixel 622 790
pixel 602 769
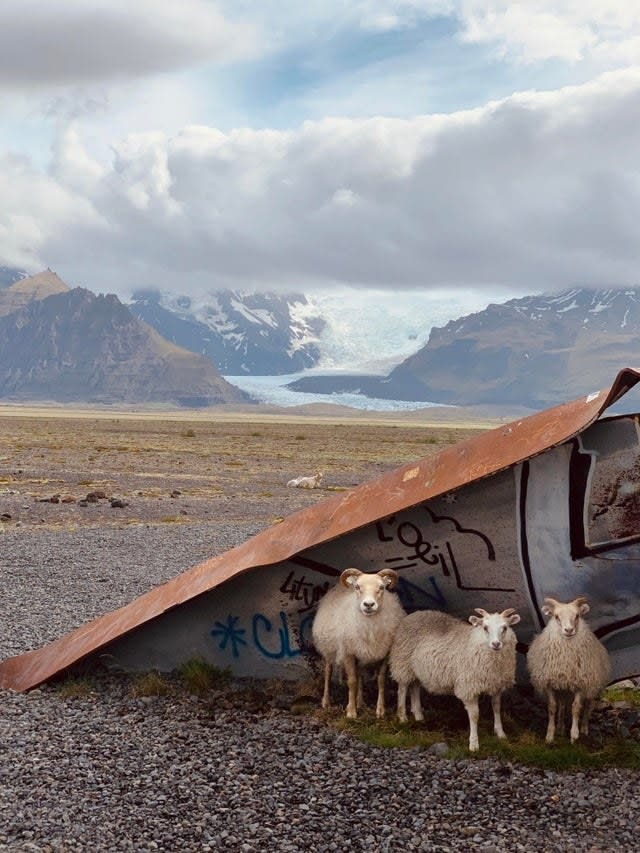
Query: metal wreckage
pixel 548 505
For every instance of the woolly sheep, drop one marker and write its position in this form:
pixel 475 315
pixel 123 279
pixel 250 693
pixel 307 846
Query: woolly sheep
pixel 307 482
pixel 567 657
pixel 354 624
pixel 448 656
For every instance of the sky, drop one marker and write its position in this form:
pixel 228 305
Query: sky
pixel 402 145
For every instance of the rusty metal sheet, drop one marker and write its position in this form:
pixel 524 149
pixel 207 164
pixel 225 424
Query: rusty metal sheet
pixel 453 467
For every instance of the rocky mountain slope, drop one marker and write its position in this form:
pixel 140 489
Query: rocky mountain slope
pixel 258 334
pixel 25 289
pixel 535 351
pixel 75 346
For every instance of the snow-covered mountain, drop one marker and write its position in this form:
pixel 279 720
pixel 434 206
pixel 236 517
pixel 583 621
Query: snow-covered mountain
pixel 9 276
pixel 242 333
pixel 342 329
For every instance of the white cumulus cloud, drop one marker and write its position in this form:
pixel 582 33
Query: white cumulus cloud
pixel 539 190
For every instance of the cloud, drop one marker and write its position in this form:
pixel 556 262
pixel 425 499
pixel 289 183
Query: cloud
pixel 536 191
pixel 605 31
pixel 84 41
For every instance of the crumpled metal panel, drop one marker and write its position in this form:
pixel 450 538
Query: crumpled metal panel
pixel 481 456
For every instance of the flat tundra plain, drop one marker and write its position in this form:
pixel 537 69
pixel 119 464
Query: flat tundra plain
pixel 175 469
pixel 98 507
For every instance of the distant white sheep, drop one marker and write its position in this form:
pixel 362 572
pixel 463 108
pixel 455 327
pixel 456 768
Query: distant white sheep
pixel 355 624
pixel 448 656
pixel 567 657
pixel 307 482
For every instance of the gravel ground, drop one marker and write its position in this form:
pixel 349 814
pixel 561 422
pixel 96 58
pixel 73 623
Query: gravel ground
pixel 109 771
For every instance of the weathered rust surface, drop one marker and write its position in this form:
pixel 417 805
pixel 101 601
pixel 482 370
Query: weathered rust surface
pixel 408 486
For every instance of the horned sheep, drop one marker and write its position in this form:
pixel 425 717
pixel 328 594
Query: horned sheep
pixel 448 656
pixel 567 657
pixel 354 625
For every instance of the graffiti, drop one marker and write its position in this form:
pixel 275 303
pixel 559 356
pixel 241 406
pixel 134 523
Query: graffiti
pixel 414 597
pixel 230 635
pixel 273 641
pixel 417 549
pixel 300 589
pixel 263 635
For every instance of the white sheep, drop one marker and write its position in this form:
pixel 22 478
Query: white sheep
pixel 567 657
pixel 448 656
pixel 307 482
pixel 355 624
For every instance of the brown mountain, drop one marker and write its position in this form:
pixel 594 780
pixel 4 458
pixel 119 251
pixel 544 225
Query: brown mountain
pixel 25 290
pixel 76 346
pixel 535 351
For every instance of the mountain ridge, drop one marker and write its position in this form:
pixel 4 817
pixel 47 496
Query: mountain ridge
pixel 535 351
pixel 258 334
pixel 72 345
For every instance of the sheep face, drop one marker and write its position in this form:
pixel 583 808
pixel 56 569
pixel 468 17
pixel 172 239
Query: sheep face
pixel 566 617
pixel 494 626
pixel 368 588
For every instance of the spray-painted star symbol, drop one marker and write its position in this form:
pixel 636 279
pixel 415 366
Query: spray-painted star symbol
pixel 230 633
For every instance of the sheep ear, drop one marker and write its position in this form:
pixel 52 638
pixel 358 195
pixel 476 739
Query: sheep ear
pixel 349 577
pixel 547 609
pixel 582 604
pixel 389 577
pixel 510 615
pixel 475 620
pixel 549 605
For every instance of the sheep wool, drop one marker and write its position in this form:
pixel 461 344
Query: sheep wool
pixel 448 656
pixel 355 624
pixel 567 657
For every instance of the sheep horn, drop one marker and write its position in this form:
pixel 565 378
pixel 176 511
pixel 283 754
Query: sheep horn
pixel 391 576
pixel 580 600
pixel 480 611
pixel 508 612
pixel 551 602
pixel 345 577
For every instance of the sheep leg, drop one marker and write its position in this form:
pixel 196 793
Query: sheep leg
pixel 360 693
pixel 352 684
pixel 416 705
pixel 552 706
pixel 586 714
pixel 576 707
pixel 473 711
pixel 380 708
pixel 497 719
pixel 402 701
pixel 326 700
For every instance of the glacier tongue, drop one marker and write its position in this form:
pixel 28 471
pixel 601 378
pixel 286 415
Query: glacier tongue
pixel 370 331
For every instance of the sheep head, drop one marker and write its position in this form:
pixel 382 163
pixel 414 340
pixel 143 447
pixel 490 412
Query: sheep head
pixel 368 588
pixel 566 616
pixel 495 625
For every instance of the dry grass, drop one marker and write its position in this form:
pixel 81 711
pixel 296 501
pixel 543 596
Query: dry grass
pixel 223 466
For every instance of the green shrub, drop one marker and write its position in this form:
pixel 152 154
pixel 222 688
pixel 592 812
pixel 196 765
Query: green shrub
pixel 200 676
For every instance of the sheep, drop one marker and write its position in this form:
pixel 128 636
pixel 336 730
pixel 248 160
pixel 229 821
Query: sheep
pixel 447 656
pixel 354 624
pixel 307 482
pixel 567 657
